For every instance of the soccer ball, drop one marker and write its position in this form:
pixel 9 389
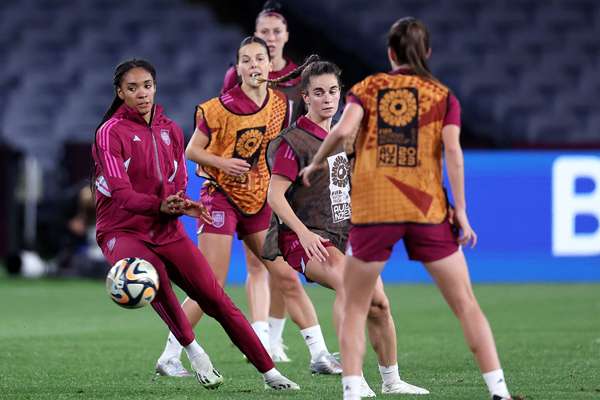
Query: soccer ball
pixel 132 282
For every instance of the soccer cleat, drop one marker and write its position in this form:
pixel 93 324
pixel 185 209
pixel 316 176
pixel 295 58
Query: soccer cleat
pixel 280 382
pixel 496 397
pixel 172 367
pixel 402 387
pixel 365 389
pixel 325 364
pixel 278 352
pixel 206 374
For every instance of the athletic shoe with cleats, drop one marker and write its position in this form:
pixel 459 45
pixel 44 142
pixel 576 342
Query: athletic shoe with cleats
pixel 402 387
pixel 496 397
pixel 365 389
pixel 280 382
pixel 172 367
pixel 326 364
pixel 206 374
pixel 278 352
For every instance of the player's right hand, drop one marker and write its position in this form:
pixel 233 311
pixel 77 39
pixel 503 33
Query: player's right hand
pixel 172 205
pixel 234 166
pixel 306 173
pixel 313 246
pixel 467 234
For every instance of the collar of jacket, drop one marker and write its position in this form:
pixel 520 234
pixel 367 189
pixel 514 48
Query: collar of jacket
pixel 133 115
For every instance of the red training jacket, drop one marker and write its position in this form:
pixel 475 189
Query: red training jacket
pixel 136 166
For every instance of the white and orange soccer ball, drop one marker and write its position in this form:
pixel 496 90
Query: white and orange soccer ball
pixel 132 282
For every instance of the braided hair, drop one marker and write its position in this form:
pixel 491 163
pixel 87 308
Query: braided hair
pixel 296 72
pixel 287 77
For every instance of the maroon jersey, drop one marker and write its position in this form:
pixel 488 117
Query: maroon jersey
pixel 137 165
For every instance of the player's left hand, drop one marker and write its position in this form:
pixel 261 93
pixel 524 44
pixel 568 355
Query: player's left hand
pixel 194 209
pixel 173 205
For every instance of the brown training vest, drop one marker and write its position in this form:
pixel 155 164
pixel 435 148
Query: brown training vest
pixel 324 207
pixel 397 173
pixel 244 136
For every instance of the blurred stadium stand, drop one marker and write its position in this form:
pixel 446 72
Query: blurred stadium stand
pixel 58 61
pixel 526 71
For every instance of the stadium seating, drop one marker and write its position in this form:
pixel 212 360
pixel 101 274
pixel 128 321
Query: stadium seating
pixel 512 63
pixel 523 69
pixel 59 55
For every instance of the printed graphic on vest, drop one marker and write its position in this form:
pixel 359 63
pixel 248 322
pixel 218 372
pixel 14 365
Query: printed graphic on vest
pixel 339 187
pixel 397 127
pixel 248 143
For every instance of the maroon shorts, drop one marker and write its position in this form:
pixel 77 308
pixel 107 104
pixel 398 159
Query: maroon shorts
pixel 227 219
pixel 423 242
pixel 293 252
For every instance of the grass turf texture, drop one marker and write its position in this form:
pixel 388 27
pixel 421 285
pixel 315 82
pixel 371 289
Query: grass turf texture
pixel 67 340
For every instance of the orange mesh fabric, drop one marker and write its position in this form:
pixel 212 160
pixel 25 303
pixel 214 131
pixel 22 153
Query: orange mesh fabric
pixel 397 174
pixel 245 137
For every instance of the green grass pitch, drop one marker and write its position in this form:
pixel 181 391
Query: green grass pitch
pixel 67 340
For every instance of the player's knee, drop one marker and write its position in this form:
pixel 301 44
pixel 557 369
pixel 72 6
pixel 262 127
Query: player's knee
pixel 289 285
pixel 465 306
pixel 215 305
pixel 256 268
pixel 379 309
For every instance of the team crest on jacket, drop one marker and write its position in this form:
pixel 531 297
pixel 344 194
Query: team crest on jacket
pixel 164 135
pixel 218 218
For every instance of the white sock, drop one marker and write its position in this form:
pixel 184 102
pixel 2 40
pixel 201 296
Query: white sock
pixel 351 387
pixel 313 337
pixel 389 374
pixel 270 374
pixel 496 383
pixel 261 328
pixel 193 349
pixel 276 326
pixel 172 348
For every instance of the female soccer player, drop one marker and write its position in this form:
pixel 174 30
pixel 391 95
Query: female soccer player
pixel 404 119
pixel 271 26
pixel 140 177
pixel 314 229
pixel 229 144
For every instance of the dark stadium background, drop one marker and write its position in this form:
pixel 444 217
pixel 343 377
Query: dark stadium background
pixel 525 72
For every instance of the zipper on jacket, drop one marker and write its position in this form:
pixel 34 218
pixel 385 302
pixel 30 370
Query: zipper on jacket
pixel 160 176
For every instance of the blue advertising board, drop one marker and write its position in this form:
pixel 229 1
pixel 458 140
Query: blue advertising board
pixel 537 215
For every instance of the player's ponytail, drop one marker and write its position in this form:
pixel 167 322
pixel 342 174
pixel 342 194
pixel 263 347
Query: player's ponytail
pixel 408 39
pixel 287 77
pixel 296 72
